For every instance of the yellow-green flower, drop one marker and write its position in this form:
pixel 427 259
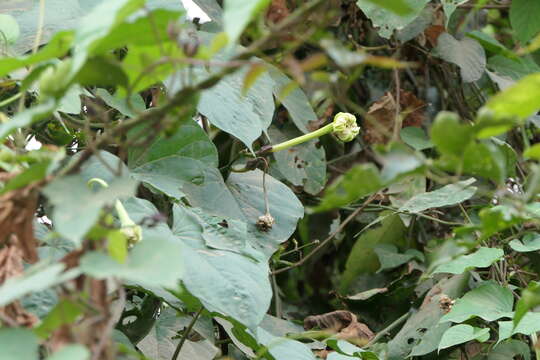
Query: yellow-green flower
pixel 345 127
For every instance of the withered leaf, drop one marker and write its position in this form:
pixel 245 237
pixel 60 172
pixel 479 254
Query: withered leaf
pixel 343 323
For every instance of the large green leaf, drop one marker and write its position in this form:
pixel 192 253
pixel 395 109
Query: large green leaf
pixel 20 344
pixel 212 9
pixel 462 333
pixel 237 14
pixel 387 21
pixel 189 140
pixel 302 165
pixel 225 282
pixel 162 340
pixel 447 195
pixel 447 123
pixel 524 19
pixel 155 261
pixel 362 258
pixel 168 174
pixel 482 258
pixel 488 301
pixel 245 116
pixel 390 258
pixel 284 206
pixel 73 219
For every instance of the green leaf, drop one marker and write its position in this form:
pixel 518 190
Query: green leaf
pixel 513 68
pixel 9 29
pixel 530 242
pixel 71 352
pixel 35 278
pixel 524 19
pixel 241 291
pixel 447 195
pixel 155 261
pixel 533 152
pixel 488 301
pixel 34 173
pixel 169 174
pixel 237 14
pixel 285 208
pixel 295 100
pixel 357 182
pixel 449 6
pixel 27 117
pixel 462 333
pixel 303 165
pixel 482 258
pixel 189 140
pixel 73 219
pixel 528 325
pixel 530 298
pixel 386 20
pixel 447 123
pixel 399 7
pixel 342 56
pixel 162 340
pixel 243 116
pixel 283 348
pixel 362 258
pixel 65 312
pixel 57 47
pixel 521 100
pixel 415 137
pixel 509 350
pixel 364 295
pixel 389 257
pixel 20 344
pixel 492 45
pixel 466 53
pixel 422 332
pixel 129 107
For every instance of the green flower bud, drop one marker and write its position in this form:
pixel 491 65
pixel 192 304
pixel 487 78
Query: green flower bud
pixel 345 127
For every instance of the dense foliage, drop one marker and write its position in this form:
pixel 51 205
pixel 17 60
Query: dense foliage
pixel 147 212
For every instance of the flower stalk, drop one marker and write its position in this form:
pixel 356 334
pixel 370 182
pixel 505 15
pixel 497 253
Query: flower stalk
pixel 344 127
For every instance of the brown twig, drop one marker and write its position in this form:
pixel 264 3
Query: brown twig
pixel 329 238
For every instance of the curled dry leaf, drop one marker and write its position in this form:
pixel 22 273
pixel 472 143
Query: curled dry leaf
pixel 11 265
pixel 380 119
pixel 343 323
pixel 17 210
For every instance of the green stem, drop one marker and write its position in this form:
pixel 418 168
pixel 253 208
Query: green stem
pixel 327 129
pixel 11 99
pixel 186 334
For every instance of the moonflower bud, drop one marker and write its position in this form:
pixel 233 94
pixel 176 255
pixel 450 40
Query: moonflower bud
pixel 345 127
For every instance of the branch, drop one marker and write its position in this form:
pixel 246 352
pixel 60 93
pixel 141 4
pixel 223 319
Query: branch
pixel 329 238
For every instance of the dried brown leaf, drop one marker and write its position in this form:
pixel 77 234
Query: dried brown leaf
pixel 343 323
pixel 277 11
